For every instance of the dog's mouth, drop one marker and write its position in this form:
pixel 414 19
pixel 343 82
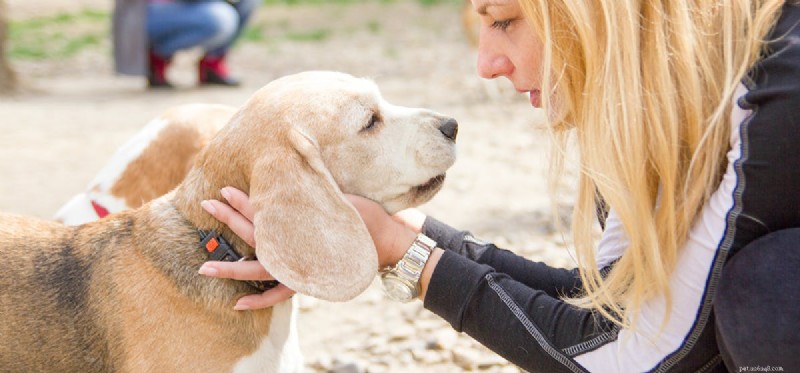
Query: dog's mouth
pixel 432 184
pixel 415 196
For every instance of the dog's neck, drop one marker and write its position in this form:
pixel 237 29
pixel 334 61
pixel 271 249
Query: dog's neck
pixel 197 188
pixel 168 239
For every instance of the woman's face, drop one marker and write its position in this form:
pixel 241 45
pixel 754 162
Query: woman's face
pixel 508 47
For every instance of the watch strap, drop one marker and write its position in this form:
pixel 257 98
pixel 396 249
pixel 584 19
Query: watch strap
pixel 409 268
pixel 416 256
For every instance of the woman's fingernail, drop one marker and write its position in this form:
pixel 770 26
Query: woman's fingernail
pixel 241 307
pixel 207 270
pixel 225 193
pixel 209 207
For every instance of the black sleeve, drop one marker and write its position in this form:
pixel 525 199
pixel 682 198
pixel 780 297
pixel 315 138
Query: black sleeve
pixel 488 292
pixel 770 166
pixel 555 282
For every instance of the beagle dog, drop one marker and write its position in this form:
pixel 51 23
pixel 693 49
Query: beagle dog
pixel 122 293
pixel 149 165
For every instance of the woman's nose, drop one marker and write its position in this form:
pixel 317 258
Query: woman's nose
pixel 492 64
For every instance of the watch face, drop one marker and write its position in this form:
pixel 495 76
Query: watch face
pixel 397 290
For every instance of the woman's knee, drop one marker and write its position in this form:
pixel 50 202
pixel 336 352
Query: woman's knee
pixel 222 21
pixel 756 305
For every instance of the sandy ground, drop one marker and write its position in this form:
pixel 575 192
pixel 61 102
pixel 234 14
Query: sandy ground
pixel 75 113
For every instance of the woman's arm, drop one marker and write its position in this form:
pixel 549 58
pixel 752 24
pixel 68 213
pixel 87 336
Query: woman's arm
pixel 393 236
pixel 556 282
pixel 522 323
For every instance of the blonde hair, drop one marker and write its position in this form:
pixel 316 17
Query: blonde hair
pixel 647 86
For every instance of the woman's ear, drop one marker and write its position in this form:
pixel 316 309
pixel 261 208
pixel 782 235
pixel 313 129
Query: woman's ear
pixel 308 235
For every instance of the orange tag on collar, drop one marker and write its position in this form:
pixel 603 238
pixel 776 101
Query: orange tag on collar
pixel 212 245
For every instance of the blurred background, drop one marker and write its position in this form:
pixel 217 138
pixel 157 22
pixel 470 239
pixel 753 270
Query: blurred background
pixel 64 112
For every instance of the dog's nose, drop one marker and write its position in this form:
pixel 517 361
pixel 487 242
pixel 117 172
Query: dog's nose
pixel 449 128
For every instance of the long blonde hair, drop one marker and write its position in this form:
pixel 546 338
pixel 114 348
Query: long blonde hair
pixel 647 87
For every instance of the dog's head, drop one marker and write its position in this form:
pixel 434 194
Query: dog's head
pixel 312 137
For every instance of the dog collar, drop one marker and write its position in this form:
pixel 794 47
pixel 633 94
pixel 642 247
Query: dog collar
pixel 99 209
pixel 220 250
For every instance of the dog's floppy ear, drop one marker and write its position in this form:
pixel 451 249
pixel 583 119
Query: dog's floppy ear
pixel 309 237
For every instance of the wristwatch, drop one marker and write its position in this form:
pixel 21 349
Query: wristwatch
pixel 401 282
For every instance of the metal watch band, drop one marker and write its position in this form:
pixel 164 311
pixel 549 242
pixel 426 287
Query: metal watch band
pixel 415 258
pixel 409 269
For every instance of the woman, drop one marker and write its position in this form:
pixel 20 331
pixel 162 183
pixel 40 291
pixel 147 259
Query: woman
pixel 147 33
pixel 684 114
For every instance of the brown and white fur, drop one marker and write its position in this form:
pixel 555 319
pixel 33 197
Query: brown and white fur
pixel 150 164
pixel 122 293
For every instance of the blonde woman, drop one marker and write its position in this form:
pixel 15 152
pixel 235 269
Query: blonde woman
pixel 687 121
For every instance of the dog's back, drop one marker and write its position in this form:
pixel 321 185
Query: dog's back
pixel 151 163
pixel 122 294
pixel 45 303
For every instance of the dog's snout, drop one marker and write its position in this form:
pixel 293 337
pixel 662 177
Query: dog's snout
pixel 449 128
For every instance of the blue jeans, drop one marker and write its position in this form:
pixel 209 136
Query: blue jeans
pixel 211 24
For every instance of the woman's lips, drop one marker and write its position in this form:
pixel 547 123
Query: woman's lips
pixel 536 98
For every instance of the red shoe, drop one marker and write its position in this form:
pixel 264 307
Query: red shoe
pixel 213 70
pixel 157 71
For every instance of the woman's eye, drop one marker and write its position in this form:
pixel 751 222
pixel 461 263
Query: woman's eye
pixel 501 25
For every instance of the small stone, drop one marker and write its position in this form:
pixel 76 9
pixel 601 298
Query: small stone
pixel 406 358
pixel 466 359
pixel 427 356
pixel 491 360
pixel 323 362
pixel 377 369
pixel 510 369
pixel 380 349
pixel 401 333
pixel 348 367
pixel 375 341
pixel 353 346
pixel 444 339
pixel 428 325
pixel 411 311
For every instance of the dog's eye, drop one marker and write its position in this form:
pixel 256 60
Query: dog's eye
pixel 373 120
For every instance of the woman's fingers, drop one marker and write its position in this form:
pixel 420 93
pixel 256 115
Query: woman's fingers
pixel 240 224
pixel 248 270
pixel 239 200
pixel 411 218
pixel 266 299
pixel 239 218
pixel 245 270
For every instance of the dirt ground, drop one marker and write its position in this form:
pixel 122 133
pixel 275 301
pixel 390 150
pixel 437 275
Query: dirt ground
pixel 75 113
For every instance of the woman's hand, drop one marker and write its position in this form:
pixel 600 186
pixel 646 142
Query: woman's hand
pixel 239 218
pixel 392 235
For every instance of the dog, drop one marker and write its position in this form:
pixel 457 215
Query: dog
pixel 149 165
pixel 122 293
